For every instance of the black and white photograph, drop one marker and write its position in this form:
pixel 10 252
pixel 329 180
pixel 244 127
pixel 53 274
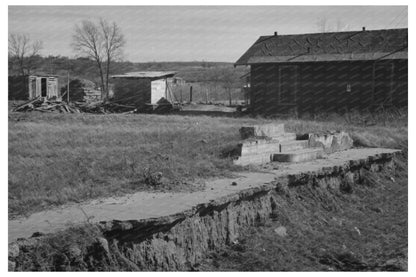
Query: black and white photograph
pixel 222 137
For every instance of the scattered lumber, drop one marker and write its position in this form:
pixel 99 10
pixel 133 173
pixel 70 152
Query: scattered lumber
pixel 27 105
pixel 43 105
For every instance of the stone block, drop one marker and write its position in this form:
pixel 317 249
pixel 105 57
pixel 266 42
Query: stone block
pixel 331 142
pixel 298 156
pixel 271 130
pixel 253 159
pixel 259 146
pixel 255 151
pixel 294 145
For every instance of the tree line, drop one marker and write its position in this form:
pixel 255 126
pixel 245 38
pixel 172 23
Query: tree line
pixel 99 47
pixel 100 41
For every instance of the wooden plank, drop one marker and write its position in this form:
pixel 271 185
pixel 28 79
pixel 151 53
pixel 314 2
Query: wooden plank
pixel 24 105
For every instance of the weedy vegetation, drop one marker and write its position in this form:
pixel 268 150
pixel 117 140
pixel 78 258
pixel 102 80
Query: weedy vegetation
pixel 363 230
pixel 56 159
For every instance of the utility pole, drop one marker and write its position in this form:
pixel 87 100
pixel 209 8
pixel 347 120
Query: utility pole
pixel 190 94
pixel 67 90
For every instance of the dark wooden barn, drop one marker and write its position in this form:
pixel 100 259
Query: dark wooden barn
pixel 328 72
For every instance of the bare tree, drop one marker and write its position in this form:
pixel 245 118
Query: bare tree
pixel 101 42
pixel 22 51
pixel 113 43
pixel 87 41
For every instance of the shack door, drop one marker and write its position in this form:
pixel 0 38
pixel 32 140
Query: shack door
pixel 52 87
pixel 287 84
pixel 44 87
pixel 382 83
pixel 32 88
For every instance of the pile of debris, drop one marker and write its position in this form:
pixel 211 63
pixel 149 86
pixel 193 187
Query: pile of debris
pixel 43 105
pixel 104 107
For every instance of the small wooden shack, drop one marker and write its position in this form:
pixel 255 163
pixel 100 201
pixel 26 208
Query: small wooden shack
pixel 328 72
pixel 33 86
pixel 146 89
pixel 44 86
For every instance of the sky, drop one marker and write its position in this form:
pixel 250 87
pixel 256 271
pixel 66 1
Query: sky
pixel 194 33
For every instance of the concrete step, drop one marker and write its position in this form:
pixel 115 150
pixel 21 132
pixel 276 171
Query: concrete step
pixel 253 159
pixel 293 145
pixel 285 137
pixel 258 151
pixel 297 156
pixel 259 147
pixel 270 130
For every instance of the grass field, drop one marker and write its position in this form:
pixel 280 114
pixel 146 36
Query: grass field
pixel 62 158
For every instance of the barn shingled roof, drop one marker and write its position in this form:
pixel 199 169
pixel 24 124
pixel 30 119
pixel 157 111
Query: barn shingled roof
pixel 335 46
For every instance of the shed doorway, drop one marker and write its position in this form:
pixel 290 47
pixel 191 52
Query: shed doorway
pixel 43 85
pixel 33 88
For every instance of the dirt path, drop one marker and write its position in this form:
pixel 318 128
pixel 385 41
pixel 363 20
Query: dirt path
pixel 143 205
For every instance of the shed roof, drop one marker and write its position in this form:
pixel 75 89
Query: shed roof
pixel 335 46
pixel 43 75
pixel 146 75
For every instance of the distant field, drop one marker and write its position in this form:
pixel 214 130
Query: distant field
pixel 60 158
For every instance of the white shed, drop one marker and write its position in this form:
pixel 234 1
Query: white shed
pixel 43 86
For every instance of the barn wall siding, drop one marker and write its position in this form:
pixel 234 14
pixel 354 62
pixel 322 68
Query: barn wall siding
pixel 330 86
pixel 400 91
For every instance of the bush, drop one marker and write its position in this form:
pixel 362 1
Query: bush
pixel 76 90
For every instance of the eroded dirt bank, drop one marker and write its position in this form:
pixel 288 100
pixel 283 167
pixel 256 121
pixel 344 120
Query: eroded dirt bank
pixel 182 241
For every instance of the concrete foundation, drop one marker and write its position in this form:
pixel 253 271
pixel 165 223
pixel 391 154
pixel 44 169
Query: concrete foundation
pixel 270 143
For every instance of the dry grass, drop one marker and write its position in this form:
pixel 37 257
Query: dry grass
pixel 54 159
pixel 60 158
